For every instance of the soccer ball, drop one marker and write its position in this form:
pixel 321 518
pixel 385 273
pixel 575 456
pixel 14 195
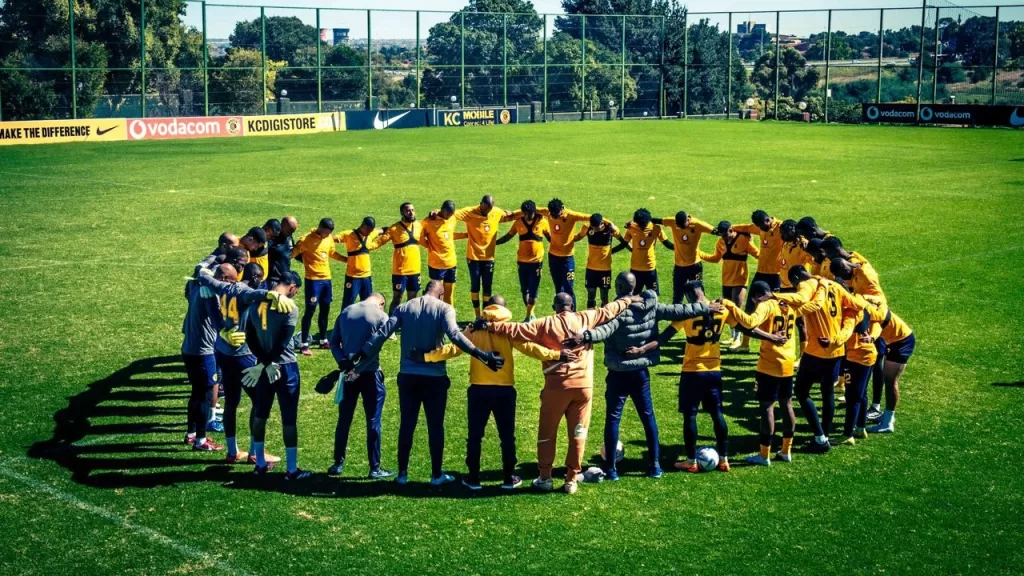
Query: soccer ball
pixel 620 453
pixel 707 458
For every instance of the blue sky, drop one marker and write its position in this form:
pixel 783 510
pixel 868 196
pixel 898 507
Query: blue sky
pixel 221 20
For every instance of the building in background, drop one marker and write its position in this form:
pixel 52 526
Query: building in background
pixel 334 36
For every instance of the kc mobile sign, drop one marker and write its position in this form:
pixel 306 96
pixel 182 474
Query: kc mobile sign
pixel 949 114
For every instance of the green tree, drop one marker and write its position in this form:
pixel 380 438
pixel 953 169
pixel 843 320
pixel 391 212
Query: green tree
pixel 796 79
pixel 840 49
pixel 236 85
pixel 286 35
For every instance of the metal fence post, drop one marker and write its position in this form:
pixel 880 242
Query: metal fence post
pixel 778 59
pixel 583 67
pixel 74 67
pixel 319 60
pixel 686 64
pixel 419 76
pixel 263 53
pixel 881 52
pixel 462 36
pixel 142 51
pixel 622 80
pixel 206 67
pixel 661 90
pixel 728 82
pixel 369 60
pixel 920 57
pixel 935 66
pixel 995 59
pixel 828 60
pixel 545 67
pixel 504 57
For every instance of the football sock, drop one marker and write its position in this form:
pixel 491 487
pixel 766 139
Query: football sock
pixel 261 461
pixel 232 446
pixel 475 297
pixel 591 303
pixel 765 450
pixel 529 309
pixel 292 455
pixel 449 293
pixel 787 445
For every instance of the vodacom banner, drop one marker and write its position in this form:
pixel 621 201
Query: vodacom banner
pixel 173 128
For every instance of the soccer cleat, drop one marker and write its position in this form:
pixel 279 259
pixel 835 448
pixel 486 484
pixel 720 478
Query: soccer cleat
pixel 723 466
pixel 883 428
pixel 442 480
pixel 757 460
pixel 543 484
pixel 816 447
pixel 687 466
pixel 513 483
pixel 380 474
pixel 297 474
pixel 336 469
pixel 305 351
pixel 262 470
pixel 325 345
pixel 207 446
pixel 218 410
pixel 472 485
pixel 612 475
pixel 214 426
pixel 784 456
pixel 240 458
pixel 860 434
pixel 571 487
pixel 190 439
pixel 654 472
pixel 270 458
pixel 402 479
pixel 848 442
pixel 874 413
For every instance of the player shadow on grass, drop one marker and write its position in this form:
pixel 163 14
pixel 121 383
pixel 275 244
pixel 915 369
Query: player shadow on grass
pixel 97 453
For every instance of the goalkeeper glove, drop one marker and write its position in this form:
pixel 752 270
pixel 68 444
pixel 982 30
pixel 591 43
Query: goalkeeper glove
pixel 281 303
pixel 273 372
pixel 233 337
pixel 251 375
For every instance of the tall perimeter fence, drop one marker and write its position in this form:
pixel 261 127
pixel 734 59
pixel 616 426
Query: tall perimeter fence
pixel 162 58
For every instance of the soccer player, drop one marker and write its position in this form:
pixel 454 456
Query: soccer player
pixel 280 257
pixel 810 230
pixel 899 346
pixel 425 321
pixel 733 247
pixel 268 332
pixel 630 350
pixel 568 386
pixel 861 355
pixel 405 263
pixel 793 254
pixel 701 382
pixel 561 260
pixel 532 229
pixel 271 230
pixel 482 227
pixel 227 244
pixel 643 236
pixel 819 265
pixel 599 234
pixel 353 328
pixel 852 269
pixel 688 271
pixel 358 244
pixel 316 249
pixel 439 238
pixel 197 353
pixel 233 354
pixel 829 326
pixel 768 230
pixel 255 242
pixel 773 322
pixel 494 392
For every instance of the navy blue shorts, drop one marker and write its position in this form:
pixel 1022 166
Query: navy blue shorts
pixel 599 279
pixel 318 292
pixel 529 278
pixel 814 370
pixel 201 370
pixel 481 272
pixel 563 272
pixel 231 368
pixel 900 352
pixel 446 275
pixel 773 388
pixel 700 388
pixel 356 289
pixel 683 275
pixel 287 391
pixel 646 280
pixel 407 283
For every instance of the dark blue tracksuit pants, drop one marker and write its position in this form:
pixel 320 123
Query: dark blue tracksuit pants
pixel 636 385
pixel 369 385
pixel 430 392
pixel 482 401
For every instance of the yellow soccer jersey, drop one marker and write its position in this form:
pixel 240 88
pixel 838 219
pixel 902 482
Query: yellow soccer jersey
pixel 482 231
pixel 894 328
pixel 358 251
pixel 792 254
pixel 703 353
pixel 316 253
pixel 561 230
pixel 406 238
pixel 863 353
pixel 643 244
pixel 686 240
pixel 531 239
pixel 599 245
pixel 733 256
pixel 865 280
pixel 772 317
pixel 439 238
pixel 834 320
pixel 770 245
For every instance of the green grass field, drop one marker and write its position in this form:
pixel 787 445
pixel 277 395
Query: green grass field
pixel 94 478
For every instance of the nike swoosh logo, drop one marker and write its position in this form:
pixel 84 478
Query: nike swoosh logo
pixel 378 124
pixel 1015 119
pixel 101 131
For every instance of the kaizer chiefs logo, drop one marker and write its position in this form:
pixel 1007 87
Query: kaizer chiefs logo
pixel 445 235
pixel 505 117
pixel 234 126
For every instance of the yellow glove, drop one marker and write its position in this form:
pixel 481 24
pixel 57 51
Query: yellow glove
pixel 281 303
pixel 233 337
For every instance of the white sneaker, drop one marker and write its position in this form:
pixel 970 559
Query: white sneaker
pixel 874 413
pixel 883 428
pixel 780 455
pixel 571 487
pixel 442 480
pixel 756 460
pixel 544 484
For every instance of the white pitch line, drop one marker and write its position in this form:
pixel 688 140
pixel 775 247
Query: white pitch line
pixel 159 538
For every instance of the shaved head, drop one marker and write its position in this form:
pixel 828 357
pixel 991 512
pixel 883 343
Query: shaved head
pixel 378 299
pixel 625 284
pixel 486 204
pixel 496 300
pixel 226 273
pixel 434 288
pixel 563 303
pixel 288 225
